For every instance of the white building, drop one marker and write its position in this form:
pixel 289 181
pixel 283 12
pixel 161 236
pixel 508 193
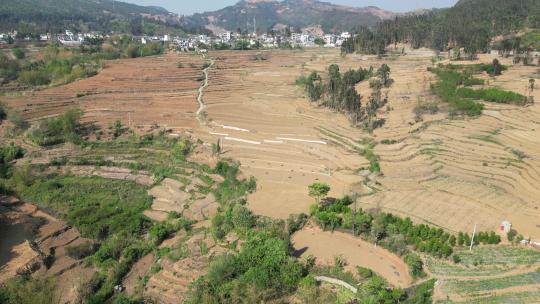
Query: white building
pixel 226 36
pixel 345 35
pixel 506 226
pixel 296 37
pixel 305 38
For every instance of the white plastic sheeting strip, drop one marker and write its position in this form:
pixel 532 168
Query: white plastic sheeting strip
pixel 274 141
pixel 302 140
pixel 220 134
pixel 243 140
pixel 235 128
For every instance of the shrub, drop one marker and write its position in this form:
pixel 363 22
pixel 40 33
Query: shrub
pixel 3 111
pixel 17 120
pixel 18 53
pixel 415 264
pixel 493 95
pixel 82 250
pixel 364 273
pixel 58 130
pixel 511 235
pixel 159 232
pixel 34 78
pixel 26 290
pixel 296 222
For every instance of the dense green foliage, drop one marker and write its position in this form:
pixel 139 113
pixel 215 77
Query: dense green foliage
pixel 33 17
pixel 63 65
pixel 25 290
pixel 392 232
pixel 339 93
pixel 98 207
pixel 263 269
pixel 446 89
pixel 8 153
pixel 469 24
pixel 106 210
pixel 452 84
pixel 63 128
pixel 493 95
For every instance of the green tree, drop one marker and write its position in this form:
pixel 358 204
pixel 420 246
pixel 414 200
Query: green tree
pixel 497 67
pixel 117 128
pixel 384 73
pixel 415 264
pixel 511 235
pixel 318 191
pixel 18 53
pixel 319 41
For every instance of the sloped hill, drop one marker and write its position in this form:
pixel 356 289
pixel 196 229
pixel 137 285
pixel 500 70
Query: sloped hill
pixel 266 14
pixel 39 16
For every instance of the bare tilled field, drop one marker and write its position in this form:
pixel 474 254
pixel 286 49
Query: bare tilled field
pixel 458 173
pixel 140 92
pixel 325 245
pixel 266 124
pixel 451 173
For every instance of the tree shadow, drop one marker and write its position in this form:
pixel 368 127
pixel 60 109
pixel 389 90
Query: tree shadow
pixel 298 252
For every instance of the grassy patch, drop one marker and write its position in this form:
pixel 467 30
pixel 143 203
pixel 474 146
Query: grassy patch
pixel 446 89
pixel 98 207
pixel 495 95
pixel 484 261
pixel 369 153
pixel 475 286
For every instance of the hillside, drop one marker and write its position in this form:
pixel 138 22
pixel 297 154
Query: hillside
pixel 470 24
pixel 270 14
pixel 40 16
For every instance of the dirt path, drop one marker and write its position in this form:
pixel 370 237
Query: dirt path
pixel 201 92
pixel 325 245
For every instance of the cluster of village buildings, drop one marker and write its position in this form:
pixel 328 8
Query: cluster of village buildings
pixel 265 40
pixel 230 39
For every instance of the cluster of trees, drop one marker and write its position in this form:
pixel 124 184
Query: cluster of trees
pixel 40 16
pixel 469 24
pixel 493 69
pixel 520 46
pixel 446 88
pixel 486 238
pixel 108 211
pixel 452 87
pixel 393 232
pixel 263 270
pixel 339 93
pixel 8 153
pixel 62 65
pixel 64 128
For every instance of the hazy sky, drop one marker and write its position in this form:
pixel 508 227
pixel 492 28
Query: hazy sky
pixel 188 7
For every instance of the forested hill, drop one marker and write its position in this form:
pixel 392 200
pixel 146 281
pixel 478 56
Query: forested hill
pixel 42 16
pixel 267 14
pixel 470 24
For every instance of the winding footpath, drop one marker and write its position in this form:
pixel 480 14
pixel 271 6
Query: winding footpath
pixel 201 92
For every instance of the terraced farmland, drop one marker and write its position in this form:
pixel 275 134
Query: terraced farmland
pixel 138 92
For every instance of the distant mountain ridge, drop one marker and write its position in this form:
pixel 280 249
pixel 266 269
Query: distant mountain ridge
pixel 263 15
pixel 33 16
